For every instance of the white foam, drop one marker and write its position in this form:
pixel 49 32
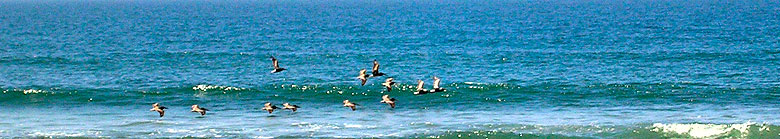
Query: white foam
pixel 314 127
pixel 54 134
pixel 203 87
pixel 170 130
pixel 31 91
pixel 703 130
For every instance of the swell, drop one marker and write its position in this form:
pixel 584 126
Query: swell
pixel 643 130
pixel 457 93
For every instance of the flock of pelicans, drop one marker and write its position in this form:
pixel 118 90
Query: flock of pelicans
pixel 362 76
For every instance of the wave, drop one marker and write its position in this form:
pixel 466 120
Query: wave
pixel 694 130
pixel 655 130
pixel 215 87
pixel 483 91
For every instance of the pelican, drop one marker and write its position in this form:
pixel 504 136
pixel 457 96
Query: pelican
pixel 375 71
pixel 362 77
pixel 287 106
pixel 387 99
pixel 158 108
pixel 350 104
pixel 436 87
pixel 276 65
pixel 420 89
pixel 388 84
pixel 269 107
pixel 198 109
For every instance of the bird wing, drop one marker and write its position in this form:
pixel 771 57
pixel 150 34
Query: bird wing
pixel 436 81
pixel 420 84
pixel 276 63
pixel 376 67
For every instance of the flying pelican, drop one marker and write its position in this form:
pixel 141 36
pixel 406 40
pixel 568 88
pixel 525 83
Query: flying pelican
pixel 350 104
pixel 290 107
pixel 388 84
pixel 362 77
pixel 158 108
pixel 436 87
pixel 420 89
pixel 198 109
pixel 276 65
pixel 375 71
pixel 390 101
pixel 269 107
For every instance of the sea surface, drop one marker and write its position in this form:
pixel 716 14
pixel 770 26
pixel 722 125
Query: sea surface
pixel 512 68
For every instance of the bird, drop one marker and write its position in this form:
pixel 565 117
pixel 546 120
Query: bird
pixel 362 77
pixel 290 107
pixel 388 84
pixel 420 89
pixel 276 65
pixel 350 104
pixel 375 71
pixel 388 100
pixel 198 109
pixel 436 87
pixel 158 108
pixel 269 107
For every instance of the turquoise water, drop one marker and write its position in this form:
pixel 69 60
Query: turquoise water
pixel 513 69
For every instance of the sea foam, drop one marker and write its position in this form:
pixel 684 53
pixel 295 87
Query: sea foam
pixel 706 130
pixel 203 87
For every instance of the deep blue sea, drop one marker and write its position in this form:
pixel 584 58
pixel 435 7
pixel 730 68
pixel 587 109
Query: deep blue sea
pixel 512 68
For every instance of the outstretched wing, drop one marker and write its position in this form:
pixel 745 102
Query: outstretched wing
pixel 376 67
pixel 436 82
pixel 276 62
pixel 420 84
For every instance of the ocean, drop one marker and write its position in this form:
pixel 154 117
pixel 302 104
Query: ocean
pixel 512 68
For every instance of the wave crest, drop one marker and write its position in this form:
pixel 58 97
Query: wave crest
pixel 204 88
pixel 711 130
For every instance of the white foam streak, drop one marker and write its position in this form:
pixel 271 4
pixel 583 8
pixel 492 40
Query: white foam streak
pixel 705 130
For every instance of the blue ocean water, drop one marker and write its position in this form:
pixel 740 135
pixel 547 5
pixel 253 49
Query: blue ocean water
pixel 512 68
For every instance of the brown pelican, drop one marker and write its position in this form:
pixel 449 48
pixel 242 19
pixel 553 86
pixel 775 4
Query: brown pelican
pixel 350 104
pixel 390 101
pixel 269 107
pixel 388 84
pixel 362 77
pixel 420 89
pixel 375 71
pixel 276 66
pixel 198 109
pixel 158 108
pixel 290 107
pixel 436 87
